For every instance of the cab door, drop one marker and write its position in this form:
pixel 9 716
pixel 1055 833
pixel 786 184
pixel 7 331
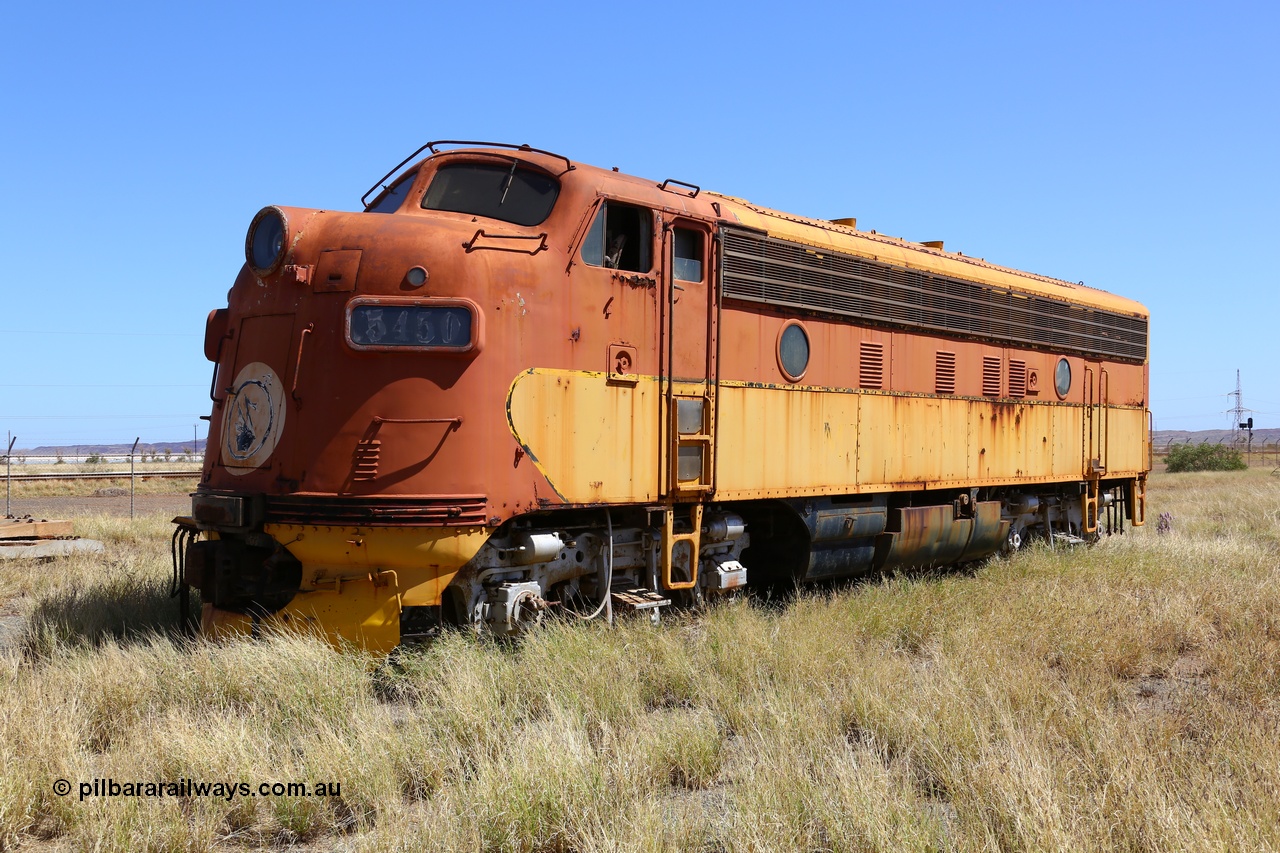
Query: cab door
pixel 688 410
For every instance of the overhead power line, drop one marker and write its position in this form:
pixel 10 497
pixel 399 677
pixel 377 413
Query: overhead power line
pixel 44 332
pixel 126 417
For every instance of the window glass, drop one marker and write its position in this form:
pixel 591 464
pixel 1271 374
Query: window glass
pixel 793 351
pixel 593 246
pixel 688 255
pixel 390 201
pixel 508 193
pixel 621 238
pixel 1062 377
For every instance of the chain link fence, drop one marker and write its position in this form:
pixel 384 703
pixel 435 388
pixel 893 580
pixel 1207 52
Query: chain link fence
pixel 23 467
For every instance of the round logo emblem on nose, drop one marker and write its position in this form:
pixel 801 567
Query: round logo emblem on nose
pixel 253 419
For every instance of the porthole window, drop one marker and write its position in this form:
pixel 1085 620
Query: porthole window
pixel 793 351
pixel 1062 378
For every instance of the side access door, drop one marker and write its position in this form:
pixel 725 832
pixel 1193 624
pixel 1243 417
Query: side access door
pixel 690 305
pixel 1093 442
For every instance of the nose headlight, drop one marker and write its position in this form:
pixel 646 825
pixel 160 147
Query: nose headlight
pixel 264 244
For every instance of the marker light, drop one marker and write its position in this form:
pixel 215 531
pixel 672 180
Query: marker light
pixel 416 276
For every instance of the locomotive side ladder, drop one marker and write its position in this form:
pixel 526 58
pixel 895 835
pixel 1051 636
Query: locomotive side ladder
pixel 1093 441
pixel 690 315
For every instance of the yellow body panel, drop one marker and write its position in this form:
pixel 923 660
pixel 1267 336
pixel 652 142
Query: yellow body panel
pixel 356 579
pixel 1123 454
pixel 594 442
pixel 424 559
pixel 797 440
pixel 362 613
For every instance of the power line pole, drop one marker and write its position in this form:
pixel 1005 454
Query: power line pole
pixel 1238 420
pixel 1237 413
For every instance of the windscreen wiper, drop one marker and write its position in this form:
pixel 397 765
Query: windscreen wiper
pixel 506 186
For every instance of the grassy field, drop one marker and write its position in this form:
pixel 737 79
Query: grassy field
pixel 142 485
pixel 43 465
pixel 1121 697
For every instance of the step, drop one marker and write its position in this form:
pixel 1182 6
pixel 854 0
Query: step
pixel 637 598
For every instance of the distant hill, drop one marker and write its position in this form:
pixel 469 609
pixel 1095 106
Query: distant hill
pixel 175 448
pixel 1165 437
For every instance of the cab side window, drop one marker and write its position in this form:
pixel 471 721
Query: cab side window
pixel 621 238
pixel 688 255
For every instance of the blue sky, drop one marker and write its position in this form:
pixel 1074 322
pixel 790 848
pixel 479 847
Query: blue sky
pixel 1129 146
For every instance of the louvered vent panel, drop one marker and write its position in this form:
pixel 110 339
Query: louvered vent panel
pixel 432 511
pixel 871 365
pixel 365 460
pixel 990 376
pixel 758 268
pixel 944 376
pixel 1017 378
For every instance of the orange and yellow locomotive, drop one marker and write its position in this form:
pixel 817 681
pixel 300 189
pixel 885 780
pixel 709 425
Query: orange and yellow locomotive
pixel 515 383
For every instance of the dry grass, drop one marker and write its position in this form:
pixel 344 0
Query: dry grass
pixel 1122 697
pixel 142 485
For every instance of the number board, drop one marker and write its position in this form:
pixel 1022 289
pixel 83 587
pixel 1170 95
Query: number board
pixel 417 325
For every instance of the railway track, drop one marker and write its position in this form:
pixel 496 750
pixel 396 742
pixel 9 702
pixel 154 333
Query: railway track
pixel 101 475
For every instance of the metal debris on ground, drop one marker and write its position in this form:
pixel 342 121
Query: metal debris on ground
pixel 37 538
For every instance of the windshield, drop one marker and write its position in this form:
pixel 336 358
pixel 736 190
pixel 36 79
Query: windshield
pixel 389 201
pixel 509 193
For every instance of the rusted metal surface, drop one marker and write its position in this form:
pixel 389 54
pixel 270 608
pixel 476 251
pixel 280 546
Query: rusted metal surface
pixel 434 510
pixel 938 536
pixel 634 598
pixel 588 333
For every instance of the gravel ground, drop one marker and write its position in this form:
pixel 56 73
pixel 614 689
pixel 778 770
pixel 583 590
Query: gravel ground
pixel 73 506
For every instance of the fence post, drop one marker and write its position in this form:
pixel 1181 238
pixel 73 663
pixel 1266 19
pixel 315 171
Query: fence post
pixel 8 474
pixel 131 477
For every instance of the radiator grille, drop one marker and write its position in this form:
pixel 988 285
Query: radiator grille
pixel 765 269
pixel 438 511
pixel 871 365
pixel 944 372
pixel 990 376
pixel 1017 378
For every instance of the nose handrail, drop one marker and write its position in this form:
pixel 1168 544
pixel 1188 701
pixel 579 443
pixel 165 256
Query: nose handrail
pixel 379 419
